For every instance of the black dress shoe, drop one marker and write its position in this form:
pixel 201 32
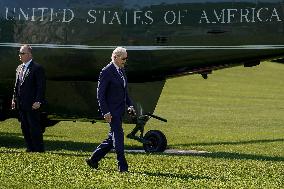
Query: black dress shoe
pixel 123 171
pixel 92 164
pixel 39 151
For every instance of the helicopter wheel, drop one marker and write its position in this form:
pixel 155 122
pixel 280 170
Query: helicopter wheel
pixel 155 141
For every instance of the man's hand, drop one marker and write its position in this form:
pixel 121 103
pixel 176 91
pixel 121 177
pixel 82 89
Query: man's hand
pixel 131 111
pixel 13 105
pixel 108 117
pixel 36 105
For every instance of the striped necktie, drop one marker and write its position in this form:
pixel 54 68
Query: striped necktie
pixel 121 75
pixel 120 72
pixel 21 76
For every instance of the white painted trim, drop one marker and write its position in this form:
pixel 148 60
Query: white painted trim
pixel 148 48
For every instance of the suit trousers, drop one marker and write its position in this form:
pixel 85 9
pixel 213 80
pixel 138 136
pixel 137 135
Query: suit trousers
pixel 31 129
pixel 115 140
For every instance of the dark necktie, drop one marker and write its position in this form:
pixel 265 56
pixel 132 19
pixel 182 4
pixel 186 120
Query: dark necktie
pixel 121 75
pixel 120 72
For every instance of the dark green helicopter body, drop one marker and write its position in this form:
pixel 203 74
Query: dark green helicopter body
pixel 74 39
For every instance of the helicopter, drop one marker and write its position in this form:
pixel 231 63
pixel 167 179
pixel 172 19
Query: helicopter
pixel 73 41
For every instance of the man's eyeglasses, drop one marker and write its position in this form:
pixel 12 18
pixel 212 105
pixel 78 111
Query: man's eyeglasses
pixel 126 58
pixel 22 53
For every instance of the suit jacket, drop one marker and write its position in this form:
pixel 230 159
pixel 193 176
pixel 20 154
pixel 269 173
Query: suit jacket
pixel 32 88
pixel 111 93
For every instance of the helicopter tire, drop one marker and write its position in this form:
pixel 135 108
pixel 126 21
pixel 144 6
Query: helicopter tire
pixel 156 141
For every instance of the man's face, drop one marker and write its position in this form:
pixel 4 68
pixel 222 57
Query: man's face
pixel 121 60
pixel 24 54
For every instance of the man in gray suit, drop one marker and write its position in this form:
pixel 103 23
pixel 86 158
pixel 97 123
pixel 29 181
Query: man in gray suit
pixel 28 98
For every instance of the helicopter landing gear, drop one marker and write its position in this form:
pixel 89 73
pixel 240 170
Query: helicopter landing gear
pixel 153 140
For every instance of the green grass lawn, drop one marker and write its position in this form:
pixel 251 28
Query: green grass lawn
pixel 237 115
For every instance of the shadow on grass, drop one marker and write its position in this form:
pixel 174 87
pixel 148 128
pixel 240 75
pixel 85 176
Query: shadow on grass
pixel 233 143
pixel 16 141
pixel 11 140
pixel 240 156
pixel 174 175
pixel 74 146
pixel 227 155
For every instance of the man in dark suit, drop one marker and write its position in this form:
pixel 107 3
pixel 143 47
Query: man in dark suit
pixel 113 98
pixel 28 98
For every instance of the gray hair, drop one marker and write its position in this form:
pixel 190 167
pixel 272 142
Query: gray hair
pixel 28 47
pixel 118 51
